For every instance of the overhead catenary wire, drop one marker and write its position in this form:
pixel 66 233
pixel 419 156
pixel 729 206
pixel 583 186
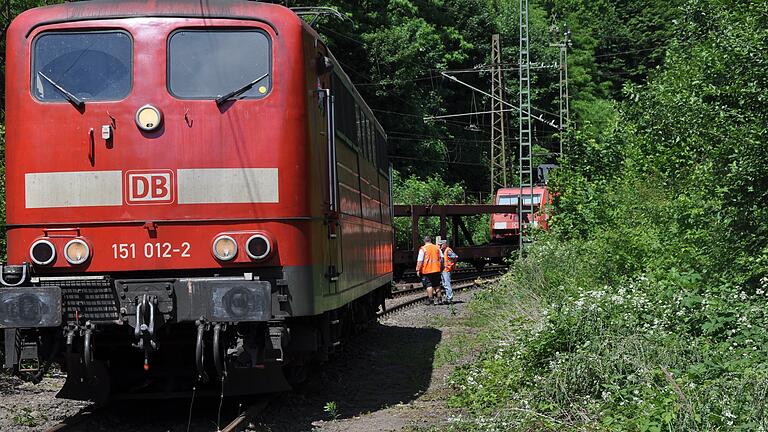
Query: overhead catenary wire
pixel 424 78
pixel 438 161
pixel 428 118
pixel 462 71
pixel 541 119
pixel 461 140
pixel 613 54
pixel 421 117
pixel 395 82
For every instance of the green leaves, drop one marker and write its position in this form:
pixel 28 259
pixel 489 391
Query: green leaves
pixel 655 276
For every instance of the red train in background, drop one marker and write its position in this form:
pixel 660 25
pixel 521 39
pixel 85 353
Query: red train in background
pixel 194 189
pixel 505 227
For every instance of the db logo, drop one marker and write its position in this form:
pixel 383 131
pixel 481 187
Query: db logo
pixel 150 187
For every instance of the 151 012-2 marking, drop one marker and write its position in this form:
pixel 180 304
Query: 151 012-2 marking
pixel 150 250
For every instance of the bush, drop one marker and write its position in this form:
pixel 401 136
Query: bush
pixel 661 350
pixel 644 309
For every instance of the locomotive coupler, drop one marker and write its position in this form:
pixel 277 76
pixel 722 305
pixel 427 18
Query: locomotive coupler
pixel 145 326
pixel 145 308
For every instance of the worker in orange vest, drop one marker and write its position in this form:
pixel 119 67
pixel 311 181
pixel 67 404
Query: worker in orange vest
pixel 429 265
pixel 449 259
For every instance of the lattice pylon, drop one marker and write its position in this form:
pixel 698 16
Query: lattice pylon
pixel 525 159
pixel 498 144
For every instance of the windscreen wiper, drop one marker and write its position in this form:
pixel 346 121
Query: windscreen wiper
pixel 221 99
pixel 74 100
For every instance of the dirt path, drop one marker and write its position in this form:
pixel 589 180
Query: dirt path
pixel 391 378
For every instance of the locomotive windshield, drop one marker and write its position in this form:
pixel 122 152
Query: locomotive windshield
pixel 205 64
pixel 86 66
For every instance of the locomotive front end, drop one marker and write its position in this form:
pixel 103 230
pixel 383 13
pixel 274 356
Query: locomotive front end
pixel 158 210
pixel 505 227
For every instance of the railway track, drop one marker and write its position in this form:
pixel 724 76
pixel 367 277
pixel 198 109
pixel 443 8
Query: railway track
pixel 420 299
pixel 241 420
pixel 410 277
pixel 459 276
pixel 80 421
pixel 460 284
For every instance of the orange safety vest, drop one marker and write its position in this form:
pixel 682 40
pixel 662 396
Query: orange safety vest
pixel 449 263
pixel 431 263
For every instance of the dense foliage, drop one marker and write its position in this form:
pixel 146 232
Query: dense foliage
pixel 645 309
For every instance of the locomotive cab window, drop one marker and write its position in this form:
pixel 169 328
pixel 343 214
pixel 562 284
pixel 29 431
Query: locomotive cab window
pixel 512 200
pixel 211 64
pixel 507 200
pixel 527 200
pixel 86 65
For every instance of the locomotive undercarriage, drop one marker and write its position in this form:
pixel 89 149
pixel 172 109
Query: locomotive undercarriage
pixel 133 337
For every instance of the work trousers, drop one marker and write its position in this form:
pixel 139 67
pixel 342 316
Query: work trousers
pixel 447 285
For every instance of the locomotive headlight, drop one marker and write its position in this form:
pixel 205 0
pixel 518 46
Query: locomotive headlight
pixel 77 252
pixel 258 246
pixel 224 248
pixel 42 252
pixel 148 118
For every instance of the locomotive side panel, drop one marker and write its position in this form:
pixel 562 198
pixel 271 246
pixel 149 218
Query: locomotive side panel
pixel 356 242
pixel 367 237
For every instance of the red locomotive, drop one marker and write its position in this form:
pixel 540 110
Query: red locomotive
pixel 505 226
pixel 176 206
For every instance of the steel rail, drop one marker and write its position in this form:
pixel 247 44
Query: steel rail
pixel 465 276
pixel 410 276
pixel 252 411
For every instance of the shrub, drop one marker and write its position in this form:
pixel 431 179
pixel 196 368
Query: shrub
pixel 644 309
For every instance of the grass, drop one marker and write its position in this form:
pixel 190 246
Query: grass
pixel 438 321
pixel 28 418
pixel 331 409
pixel 454 349
pixel 563 352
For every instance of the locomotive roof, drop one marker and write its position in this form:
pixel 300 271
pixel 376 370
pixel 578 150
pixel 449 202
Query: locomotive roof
pixel 100 8
pixel 105 9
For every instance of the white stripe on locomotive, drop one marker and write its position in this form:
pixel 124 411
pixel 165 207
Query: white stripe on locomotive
pixel 195 186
